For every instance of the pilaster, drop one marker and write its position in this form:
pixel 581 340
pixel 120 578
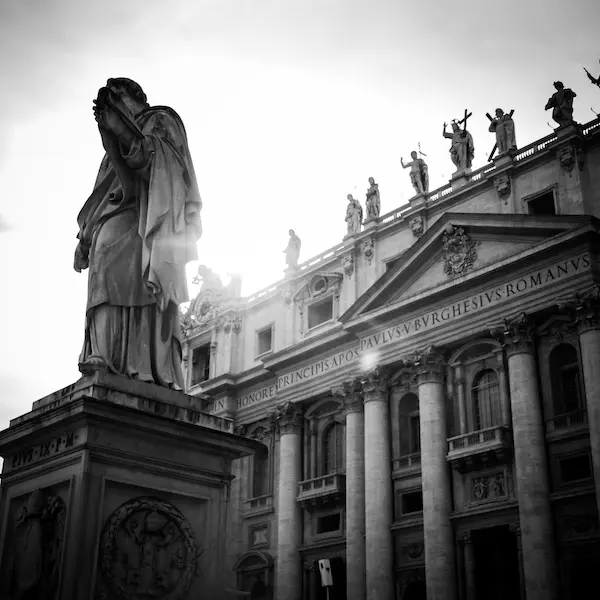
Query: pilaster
pixel 469 559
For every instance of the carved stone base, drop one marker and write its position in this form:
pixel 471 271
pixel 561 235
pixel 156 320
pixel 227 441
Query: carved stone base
pixel 113 488
pixel 459 178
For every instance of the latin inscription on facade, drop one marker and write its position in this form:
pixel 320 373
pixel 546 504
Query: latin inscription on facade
pixel 425 322
pixel 45 450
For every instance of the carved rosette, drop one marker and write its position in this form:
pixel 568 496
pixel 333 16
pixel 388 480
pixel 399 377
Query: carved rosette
pixel 584 308
pixel 503 186
pixel 368 249
pixel 288 418
pixel 351 394
pixel 459 252
pixel 375 384
pixel 516 334
pixel 348 264
pixel 418 226
pixel 566 157
pixel 148 550
pixel 427 365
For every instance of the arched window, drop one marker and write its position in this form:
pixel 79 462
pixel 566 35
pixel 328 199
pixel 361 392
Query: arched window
pixel 565 378
pixel 333 449
pixel 485 395
pixel 409 426
pixel 260 473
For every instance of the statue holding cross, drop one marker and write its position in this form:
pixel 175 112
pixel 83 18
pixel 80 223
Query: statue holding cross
pixel 462 149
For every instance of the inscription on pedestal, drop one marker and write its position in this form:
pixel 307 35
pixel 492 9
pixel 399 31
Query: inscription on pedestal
pixel 44 450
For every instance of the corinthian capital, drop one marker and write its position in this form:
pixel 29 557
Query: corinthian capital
pixel 288 418
pixel 516 334
pixel 351 393
pixel 584 307
pixel 427 365
pixel 375 384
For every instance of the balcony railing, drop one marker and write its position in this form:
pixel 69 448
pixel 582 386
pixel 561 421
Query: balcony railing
pixel 258 505
pixel 322 489
pixel 407 461
pixel 469 450
pixel 576 419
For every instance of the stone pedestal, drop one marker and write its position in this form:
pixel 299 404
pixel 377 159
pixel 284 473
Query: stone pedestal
pixel 113 488
pixel 459 178
pixel 418 200
pixel 378 489
pixel 531 468
pixel 503 161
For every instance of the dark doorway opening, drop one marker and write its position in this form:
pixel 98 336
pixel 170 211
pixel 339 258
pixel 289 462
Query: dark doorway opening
pixel 415 590
pixel 496 564
pixel 338 574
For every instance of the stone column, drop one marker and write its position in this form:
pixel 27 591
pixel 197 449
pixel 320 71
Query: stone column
pixel 531 468
pixel 462 403
pixel 587 314
pixel 517 531
pixel 469 554
pixel 288 583
pixel 440 571
pixel 355 492
pixel 378 488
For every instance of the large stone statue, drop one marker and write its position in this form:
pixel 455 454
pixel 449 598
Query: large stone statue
pixel 419 174
pixel 504 128
pixel 354 215
pixel 561 104
pixel 137 231
pixel 292 251
pixel 462 149
pixel 373 202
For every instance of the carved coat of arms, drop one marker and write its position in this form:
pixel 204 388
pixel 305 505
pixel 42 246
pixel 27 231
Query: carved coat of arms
pixel 459 252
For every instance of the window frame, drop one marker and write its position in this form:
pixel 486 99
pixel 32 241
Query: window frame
pixel 474 391
pixel 257 352
pixel 339 444
pixel 556 379
pixel 329 298
pixel 527 200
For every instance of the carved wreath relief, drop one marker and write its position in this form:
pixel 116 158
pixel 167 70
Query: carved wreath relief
pixel 35 554
pixel 459 251
pixel 148 551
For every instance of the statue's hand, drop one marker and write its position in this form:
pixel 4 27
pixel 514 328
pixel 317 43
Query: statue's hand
pixel 110 120
pixel 81 260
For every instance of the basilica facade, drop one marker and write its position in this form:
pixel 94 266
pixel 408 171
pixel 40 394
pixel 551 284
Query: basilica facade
pixel 427 394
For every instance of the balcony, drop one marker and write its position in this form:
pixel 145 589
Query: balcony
pixel 406 463
pixel 479 449
pixel 260 505
pixel 568 424
pixel 322 491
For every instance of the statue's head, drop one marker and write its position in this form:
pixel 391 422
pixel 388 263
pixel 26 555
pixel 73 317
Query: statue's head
pixel 559 85
pixel 371 180
pixel 35 503
pixel 129 92
pixel 349 196
pixel 413 155
pixel 454 126
pixel 499 113
pixel 292 232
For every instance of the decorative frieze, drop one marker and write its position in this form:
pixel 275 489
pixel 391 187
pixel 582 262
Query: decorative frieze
pixel 459 251
pixel 413 552
pixel 484 488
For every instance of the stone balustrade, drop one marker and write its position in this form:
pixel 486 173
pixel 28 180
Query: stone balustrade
pixel 258 506
pixel 576 419
pixel 469 450
pixel 321 488
pixel 407 461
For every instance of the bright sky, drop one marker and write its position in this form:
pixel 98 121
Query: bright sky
pixel 289 106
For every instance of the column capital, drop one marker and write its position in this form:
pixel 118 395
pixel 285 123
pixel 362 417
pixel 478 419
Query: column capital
pixel 516 334
pixel 584 307
pixel 351 394
pixel 374 384
pixel 288 418
pixel 428 365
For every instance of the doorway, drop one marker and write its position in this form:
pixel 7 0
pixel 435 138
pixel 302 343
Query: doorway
pixel 496 564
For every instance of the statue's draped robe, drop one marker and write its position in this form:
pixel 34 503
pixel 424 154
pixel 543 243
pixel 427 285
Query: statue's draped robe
pixel 504 127
pixel 420 175
pixel 561 103
pixel 373 202
pixel 354 216
pixel 462 150
pixel 141 227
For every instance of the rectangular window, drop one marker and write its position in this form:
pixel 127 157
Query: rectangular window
pixel 329 523
pixel 260 474
pixel 264 341
pixel 571 388
pixel 415 434
pixel 575 468
pixel 542 205
pixel 320 312
pixel 412 502
pixel 200 364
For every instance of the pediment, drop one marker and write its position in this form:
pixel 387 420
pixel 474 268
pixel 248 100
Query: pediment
pixel 457 247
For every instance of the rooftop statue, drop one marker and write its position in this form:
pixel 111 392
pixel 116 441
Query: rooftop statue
pixel 594 80
pixel 292 251
pixel 354 215
pixel 419 174
pixel 561 104
pixel 373 202
pixel 137 231
pixel 462 149
pixel 504 128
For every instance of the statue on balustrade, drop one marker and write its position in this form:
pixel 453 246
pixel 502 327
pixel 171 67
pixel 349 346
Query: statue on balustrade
pixel 561 104
pixel 504 128
pixel 373 201
pixel 354 215
pixel 137 232
pixel 292 251
pixel 462 149
pixel 419 173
